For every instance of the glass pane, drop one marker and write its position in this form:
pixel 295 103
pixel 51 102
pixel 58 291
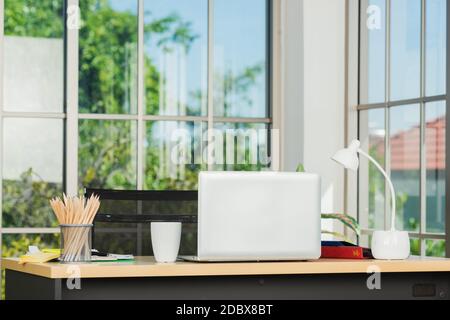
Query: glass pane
pixel 173 156
pixel 107 154
pixel 415 246
pixel 405 164
pixel 176 34
pixel 32 170
pixel 435 148
pixel 108 56
pixel 15 245
pixel 365 241
pixel 372 182
pixel 33 56
pixel 435 248
pixel 436 47
pixel 240 61
pixel 405 49
pixel 373 51
pixel 241 147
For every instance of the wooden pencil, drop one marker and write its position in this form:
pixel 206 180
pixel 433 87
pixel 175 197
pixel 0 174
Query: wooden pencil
pixel 72 214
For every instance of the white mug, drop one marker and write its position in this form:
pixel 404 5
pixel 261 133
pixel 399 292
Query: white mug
pixel 166 238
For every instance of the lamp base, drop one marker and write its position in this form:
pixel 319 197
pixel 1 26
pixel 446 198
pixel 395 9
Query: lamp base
pixel 390 245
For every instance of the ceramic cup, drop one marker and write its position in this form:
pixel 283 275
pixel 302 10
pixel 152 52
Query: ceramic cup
pixel 165 240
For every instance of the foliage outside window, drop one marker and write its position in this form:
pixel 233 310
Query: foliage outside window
pixel 174 32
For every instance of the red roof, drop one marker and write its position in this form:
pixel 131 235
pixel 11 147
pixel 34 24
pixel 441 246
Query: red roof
pixel 405 147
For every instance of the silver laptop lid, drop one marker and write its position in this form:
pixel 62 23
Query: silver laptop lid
pixel 258 216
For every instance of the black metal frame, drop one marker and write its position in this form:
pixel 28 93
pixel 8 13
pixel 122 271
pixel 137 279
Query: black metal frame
pixel 140 217
pixel 141 195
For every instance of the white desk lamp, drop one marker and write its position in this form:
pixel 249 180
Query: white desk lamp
pixel 386 245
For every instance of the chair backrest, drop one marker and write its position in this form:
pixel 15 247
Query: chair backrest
pixel 122 224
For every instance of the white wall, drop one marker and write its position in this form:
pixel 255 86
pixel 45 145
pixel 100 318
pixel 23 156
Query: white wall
pixel 314 92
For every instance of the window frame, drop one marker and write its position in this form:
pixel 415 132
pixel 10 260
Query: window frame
pixel 447 142
pixel 422 235
pixel 71 114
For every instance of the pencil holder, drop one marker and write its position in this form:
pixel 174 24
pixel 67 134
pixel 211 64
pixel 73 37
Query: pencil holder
pixel 76 242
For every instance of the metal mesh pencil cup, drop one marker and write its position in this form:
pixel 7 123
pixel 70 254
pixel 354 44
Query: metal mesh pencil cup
pixel 76 242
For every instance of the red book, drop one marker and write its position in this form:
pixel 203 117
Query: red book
pixel 344 250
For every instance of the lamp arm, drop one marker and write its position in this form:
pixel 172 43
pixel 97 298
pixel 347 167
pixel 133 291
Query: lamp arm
pixel 391 186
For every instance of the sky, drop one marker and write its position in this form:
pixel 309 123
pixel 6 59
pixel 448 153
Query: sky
pixel 234 16
pixel 236 22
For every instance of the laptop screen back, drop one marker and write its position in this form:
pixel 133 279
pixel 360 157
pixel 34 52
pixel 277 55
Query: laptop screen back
pixel 258 216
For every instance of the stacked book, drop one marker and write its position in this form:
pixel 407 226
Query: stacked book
pixel 344 250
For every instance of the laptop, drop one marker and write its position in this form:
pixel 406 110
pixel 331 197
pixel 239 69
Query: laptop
pixel 258 216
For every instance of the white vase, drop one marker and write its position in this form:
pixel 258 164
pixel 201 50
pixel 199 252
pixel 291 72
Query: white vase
pixel 166 238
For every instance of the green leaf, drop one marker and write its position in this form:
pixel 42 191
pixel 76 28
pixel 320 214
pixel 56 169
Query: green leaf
pixel 300 168
pixel 345 219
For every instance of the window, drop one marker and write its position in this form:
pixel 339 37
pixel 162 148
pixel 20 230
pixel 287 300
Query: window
pixel 181 53
pixel 402 118
pixel 105 103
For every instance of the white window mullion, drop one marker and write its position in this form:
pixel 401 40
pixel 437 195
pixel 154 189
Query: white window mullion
pixel 423 150
pixel 140 98
pixel 140 120
pixel 278 11
pixel 210 80
pixel 31 230
pixel 107 116
pixel 71 152
pixel 387 145
pixel 34 115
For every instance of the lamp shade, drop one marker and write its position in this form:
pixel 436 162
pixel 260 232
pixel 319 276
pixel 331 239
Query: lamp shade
pixel 348 157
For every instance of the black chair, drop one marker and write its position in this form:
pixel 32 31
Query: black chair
pixel 122 224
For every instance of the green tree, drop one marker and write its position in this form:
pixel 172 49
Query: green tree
pixel 108 56
pixel 237 87
pixel 108 48
pixel 25 201
pixel 31 18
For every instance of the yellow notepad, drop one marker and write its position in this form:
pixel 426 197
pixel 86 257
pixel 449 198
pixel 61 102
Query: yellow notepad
pixel 38 257
pixel 58 251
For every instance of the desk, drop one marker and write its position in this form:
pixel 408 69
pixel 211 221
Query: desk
pixel 145 279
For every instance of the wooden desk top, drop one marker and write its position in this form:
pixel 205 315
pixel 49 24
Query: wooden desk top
pixel 147 267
